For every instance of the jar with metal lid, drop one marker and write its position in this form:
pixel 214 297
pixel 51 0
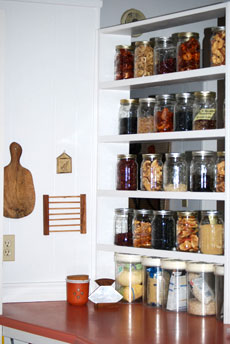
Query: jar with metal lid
pixel 164 55
pixel 129 277
pixel 143 59
pixel 163 230
pixel 174 285
pixel 211 237
pixel 175 172
pixel 123 226
pixel 142 228
pixel 126 172
pixel 204 110
pixel 219 291
pixel 164 113
pixel 202 171
pixel 152 281
pixel 124 62
pixel 188 51
pixel 187 229
pixel 151 172
pixel 145 115
pixel 183 112
pixel 128 116
pixel 201 289
pixel 220 172
pixel 217 46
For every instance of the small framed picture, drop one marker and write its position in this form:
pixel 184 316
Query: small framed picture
pixel 64 163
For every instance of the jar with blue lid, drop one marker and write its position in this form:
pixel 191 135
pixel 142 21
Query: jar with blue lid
pixel 152 281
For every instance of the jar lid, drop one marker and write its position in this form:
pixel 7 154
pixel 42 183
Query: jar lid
pixel 188 34
pixel 219 270
pixel 163 212
pixel 217 28
pixel 118 47
pixel 199 267
pixel 144 212
pixel 205 94
pixel 123 211
pixel 165 97
pixel 210 212
pixel 150 261
pixel 141 43
pixel 173 264
pixel 147 100
pixel 185 95
pixel 220 153
pixel 187 213
pixel 150 156
pixel 163 40
pixel 127 258
pixel 126 156
pixel 203 153
pixel 174 155
pixel 129 101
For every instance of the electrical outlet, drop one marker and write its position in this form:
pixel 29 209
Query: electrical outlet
pixel 9 247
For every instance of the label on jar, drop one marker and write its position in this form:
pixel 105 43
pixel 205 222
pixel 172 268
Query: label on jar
pixel 201 290
pixel 205 114
pixel 177 293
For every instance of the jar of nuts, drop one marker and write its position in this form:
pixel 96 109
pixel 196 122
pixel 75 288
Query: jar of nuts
pixel 164 113
pixel 187 231
pixel 164 55
pixel 204 110
pixel 123 62
pixel 142 228
pixel 217 46
pixel 143 59
pixel 145 113
pixel 126 172
pixel 175 176
pixel 151 172
pixel 128 116
pixel 220 172
pixel 188 51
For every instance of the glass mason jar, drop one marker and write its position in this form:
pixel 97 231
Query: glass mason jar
pixel 202 171
pixel 211 238
pixel 143 59
pixel 164 55
pixel 187 229
pixel 128 116
pixel 142 228
pixel 174 285
pixel 164 113
pixel 204 110
pixel 127 172
pixel 201 289
pixel 219 291
pixel 175 172
pixel 217 46
pixel 220 172
pixel 145 115
pixel 188 51
pixel 123 62
pixel 183 115
pixel 151 172
pixel 163 230
pixel 123 226
pixel 152 281
pixel 129 276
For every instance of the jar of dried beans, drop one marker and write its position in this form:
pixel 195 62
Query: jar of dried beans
pixel 164 230
pixel 175 172
pixel 151 172
pixel 218 46
pixel 143 59
pixel 164 113
pixel 183 112
pixel 124 62
pixel 220 172
pixel 126 172
pixel 145 113
pixel 128 116
pixel 187 229
pixel 204 110
pixel 142 228
pixel 164 55
pixel 188 51
pixel 202 171
pixel 123 226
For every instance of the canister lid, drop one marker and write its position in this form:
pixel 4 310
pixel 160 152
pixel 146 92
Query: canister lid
pixel 124 211
pixel 127 258
pixel 118 47
pixel 205 94
pixel 129 101
pixel 147 100
pixel 141 43
pixel 150 261
pixel 203 153
pixel 173 264
pixel 126 156
pixel 163 40
pixel 210 212
pixel 199 267
pixel 219 270
pixel 220 154
pixel 188 34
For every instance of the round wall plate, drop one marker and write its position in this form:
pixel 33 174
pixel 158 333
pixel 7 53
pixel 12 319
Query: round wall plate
pixel 131 16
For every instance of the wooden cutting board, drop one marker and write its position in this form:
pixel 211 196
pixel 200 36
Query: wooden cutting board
pixel 19 194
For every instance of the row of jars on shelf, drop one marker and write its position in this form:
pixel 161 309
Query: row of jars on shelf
pixel 168 112
pixel 159 230
pixel 161 55
pixel 173 285
pixel 206 172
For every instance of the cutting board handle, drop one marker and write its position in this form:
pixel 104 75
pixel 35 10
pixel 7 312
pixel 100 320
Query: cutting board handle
pixel 16 152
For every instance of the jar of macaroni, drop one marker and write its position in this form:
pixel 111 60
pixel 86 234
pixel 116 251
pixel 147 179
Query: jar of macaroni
pixel 187 230
pixel 152 281
pixel 188 51
pixel 126 172
pixel 217 46
pixel 219 291
pixel 142 228
pixel 143 59
pixel 175 172
pixel 204 110
pixel 151 172
pixel 145 115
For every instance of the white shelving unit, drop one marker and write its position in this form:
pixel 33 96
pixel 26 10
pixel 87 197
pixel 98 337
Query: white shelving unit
pixel 109 143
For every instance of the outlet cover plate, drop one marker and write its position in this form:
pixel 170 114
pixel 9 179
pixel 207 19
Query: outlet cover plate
pixel 8 248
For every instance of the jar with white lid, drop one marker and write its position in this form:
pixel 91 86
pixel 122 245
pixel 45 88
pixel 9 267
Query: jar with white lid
pixel 174 285
pixel 175 172
pixel 145 115
pixel 201 288
pixel 129 276
pixel 123 226
pixel 152 281
pixel 219 291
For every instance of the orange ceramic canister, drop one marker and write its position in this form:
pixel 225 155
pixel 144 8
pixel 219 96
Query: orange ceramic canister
pixel 77 289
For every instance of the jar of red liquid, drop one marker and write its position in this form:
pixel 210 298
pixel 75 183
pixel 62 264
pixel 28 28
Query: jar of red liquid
pixel 164 55
pixel 124 62
pixel 164 113
pixel 188 51
pixel 123 226
pixel 126 172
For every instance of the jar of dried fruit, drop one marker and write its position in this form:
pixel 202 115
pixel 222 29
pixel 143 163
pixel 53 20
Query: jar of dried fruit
pixel 188 51
pixel 124 62
pixel 143 59
pixel 202 171
pixel 126 172
pixel 164 55
pixel 204 110
pixel 145 115
pixel 175 172
pixel 142 228
pixel 164 113
pixel 128 116
pixel 220 172
pixel 183 112
pixel 151 172
pixel 187 229
pixel 217 46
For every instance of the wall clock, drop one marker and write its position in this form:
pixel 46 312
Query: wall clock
pixel 131 16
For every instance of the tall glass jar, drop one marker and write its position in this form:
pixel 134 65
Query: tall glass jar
pixel 175 172
pixel 123 62
pixel 163 230
pixel 151 172
pixel 164 55
pixel 143 59
pixel 128 116
pixel 164 113
pixel 204 110
pixel 142 228
pixel 219 291
pixel 188 51
pixel 183 112
pixel 218 46
pixel 220 172
pixel 152 281
pixel 145 115
pixel 126 172
pixel 123 226
pixel 211 232
pixel 187 229
pixel 202 171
